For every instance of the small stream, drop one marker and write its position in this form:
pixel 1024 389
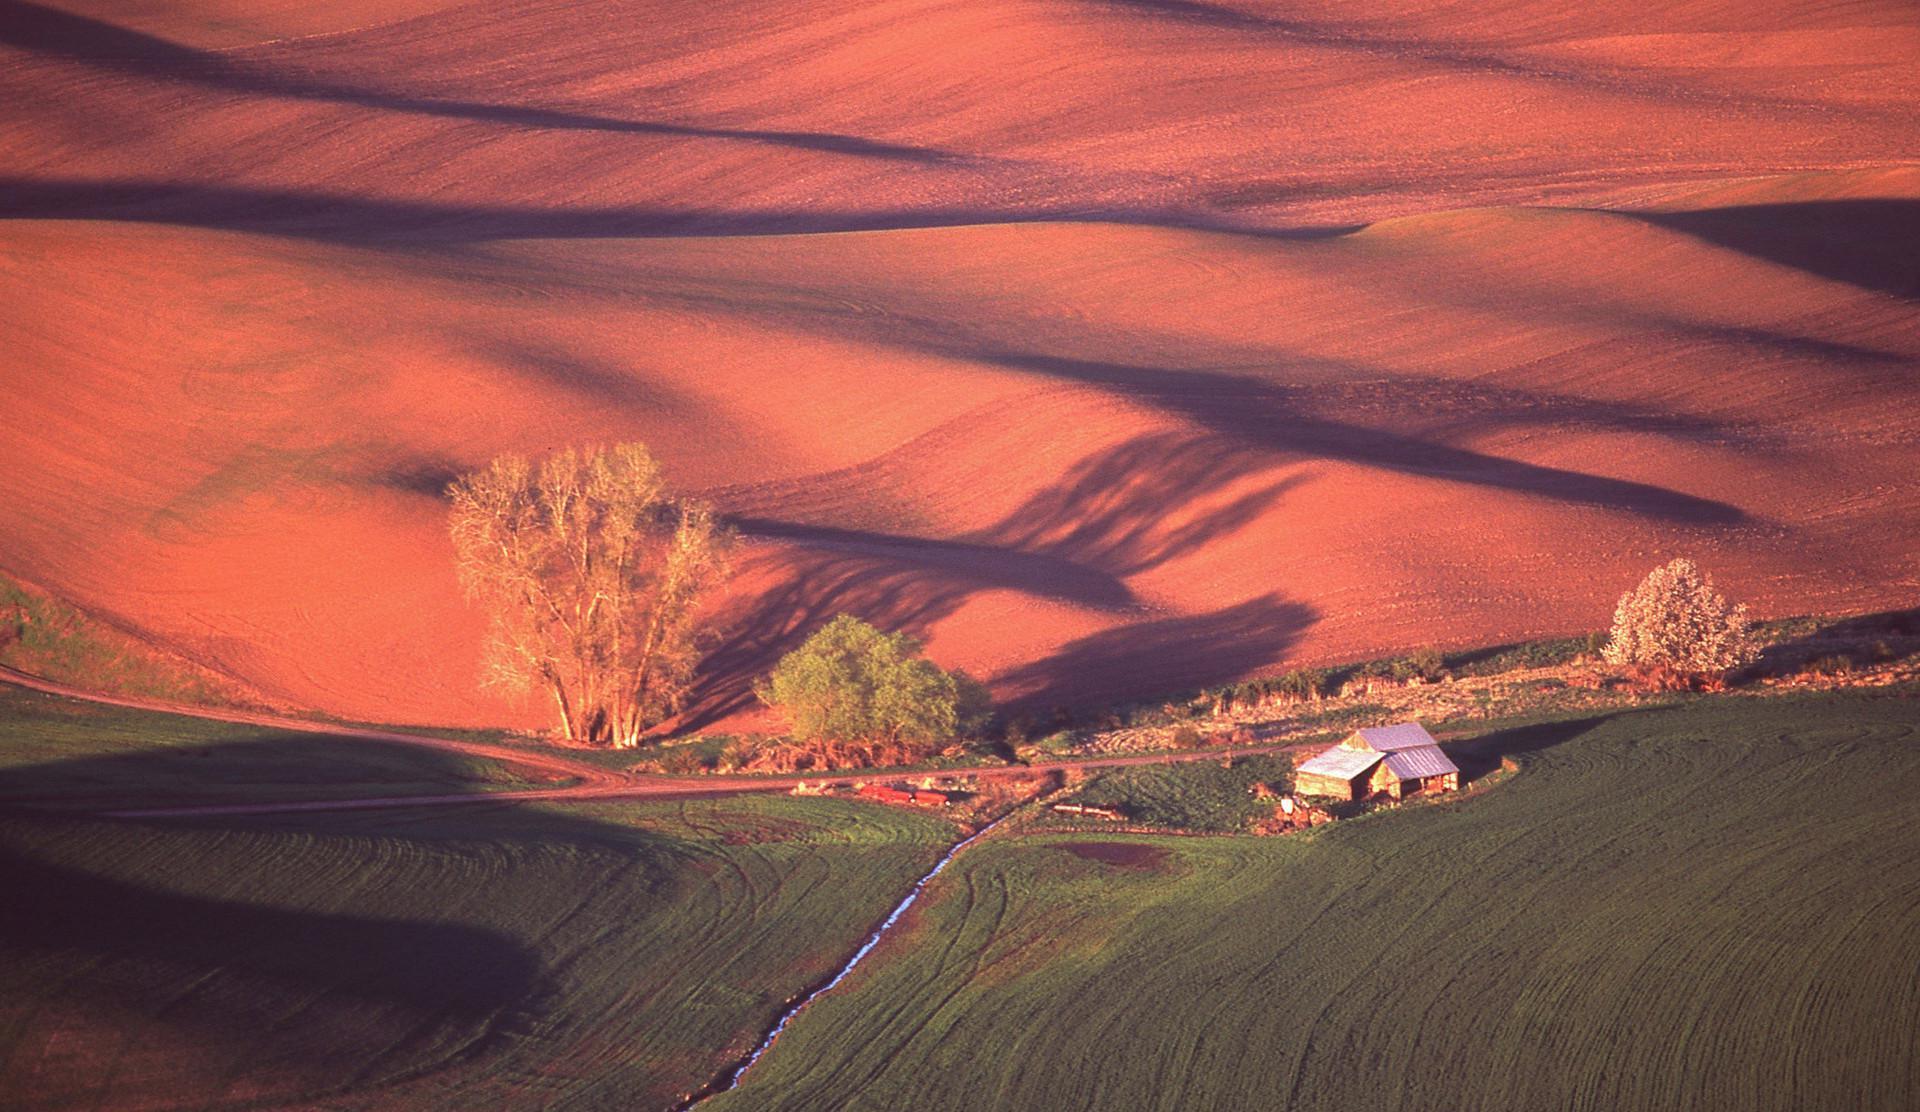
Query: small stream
pixel 716 1087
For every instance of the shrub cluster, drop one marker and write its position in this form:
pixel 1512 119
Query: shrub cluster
pixel 825 754
pixel 1297 686
pixel 1424 666
pixel 1834 664
pixel 1187 737
pixel 850 682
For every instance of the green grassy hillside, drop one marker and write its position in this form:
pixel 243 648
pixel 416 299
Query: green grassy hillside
pixel 73 755
pixel 458 958
pixel 1710 906
pixel 42 635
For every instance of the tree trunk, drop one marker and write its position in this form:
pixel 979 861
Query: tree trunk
pixel 643 675
pixel 567 726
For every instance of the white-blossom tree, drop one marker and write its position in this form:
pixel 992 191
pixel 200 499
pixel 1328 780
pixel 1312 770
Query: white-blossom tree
pixel 1676 620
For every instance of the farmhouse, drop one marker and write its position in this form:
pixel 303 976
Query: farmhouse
pixel 1397 760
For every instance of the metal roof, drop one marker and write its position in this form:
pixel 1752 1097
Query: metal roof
pixel 1404 735
pixel 1341 763
pixel 1415 764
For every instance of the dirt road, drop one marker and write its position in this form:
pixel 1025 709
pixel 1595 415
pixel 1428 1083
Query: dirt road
pixel 549 764
pixel 597 785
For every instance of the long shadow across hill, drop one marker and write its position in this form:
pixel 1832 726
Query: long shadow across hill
pixel 1121 512
pixel 964 565
pixel 1331 36
pixel 1259 409
pixel 1063 545
pixel 1482 755
pixel 1270 416
pixel 338 218
pixel 1860 639
pixel 1200 13
pixel 1872 244
pixel 1129 509
pixel 155 945
pixel 1162 655
pixel 106 46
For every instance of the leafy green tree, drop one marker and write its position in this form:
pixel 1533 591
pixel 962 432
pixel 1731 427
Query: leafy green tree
pixel 851 681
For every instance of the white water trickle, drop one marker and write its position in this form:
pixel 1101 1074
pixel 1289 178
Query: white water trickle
pixel 866 948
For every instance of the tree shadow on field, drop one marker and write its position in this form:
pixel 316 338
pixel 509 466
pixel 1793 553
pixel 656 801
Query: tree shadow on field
pixel 1480 756
pixel 374 221
pixel 1861 639
pixel 142 960
pixel 426 477
pixel 1162 654
pixel 100 45
pixel 595 379
pixel 1201 13
pixel 1117 513
pixel 1871 244
pixel 1403 49
pixel 1274 417
pixel 1121 510
pixel 1256 402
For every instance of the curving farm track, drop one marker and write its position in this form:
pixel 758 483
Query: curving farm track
pixel 596 784
pixel 547 763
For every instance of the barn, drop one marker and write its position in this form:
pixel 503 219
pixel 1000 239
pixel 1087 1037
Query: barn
pixel 1396 761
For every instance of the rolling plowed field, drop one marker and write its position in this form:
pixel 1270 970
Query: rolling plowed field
pixel 1113 347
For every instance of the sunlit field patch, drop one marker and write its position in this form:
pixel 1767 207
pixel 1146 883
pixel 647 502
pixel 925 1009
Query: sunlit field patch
pixel 1691 907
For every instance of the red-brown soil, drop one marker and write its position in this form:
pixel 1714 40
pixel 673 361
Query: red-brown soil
pixel 1162 341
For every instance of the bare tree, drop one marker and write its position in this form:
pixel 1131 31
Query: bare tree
pixel 592 575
